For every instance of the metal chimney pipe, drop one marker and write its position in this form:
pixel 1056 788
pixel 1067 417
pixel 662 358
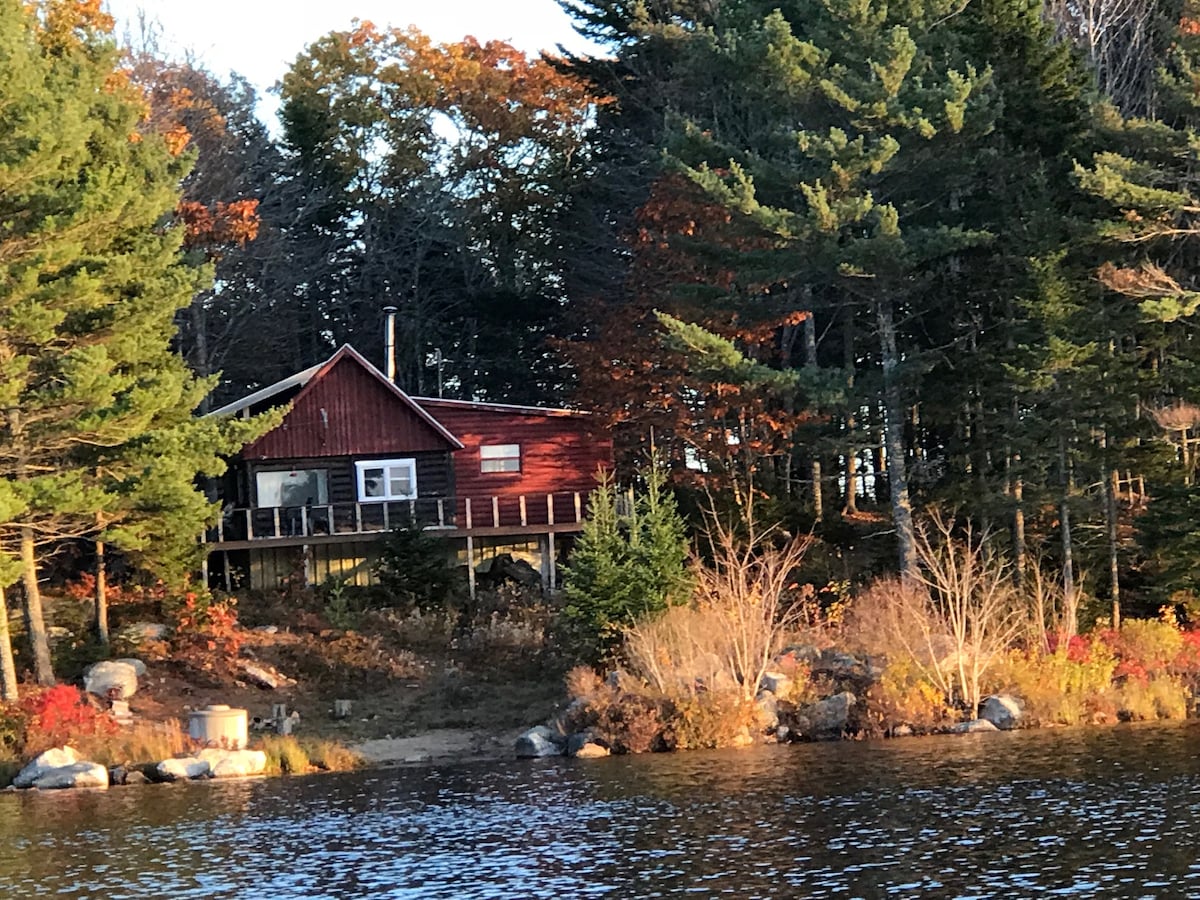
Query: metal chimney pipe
pixel 389 342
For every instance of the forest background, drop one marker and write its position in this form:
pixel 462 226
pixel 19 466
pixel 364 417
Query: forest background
pixel 854 259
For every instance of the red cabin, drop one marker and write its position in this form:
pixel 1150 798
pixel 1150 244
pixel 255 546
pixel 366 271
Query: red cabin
pixel 355 457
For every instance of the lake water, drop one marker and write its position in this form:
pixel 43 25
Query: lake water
pixel 1096 812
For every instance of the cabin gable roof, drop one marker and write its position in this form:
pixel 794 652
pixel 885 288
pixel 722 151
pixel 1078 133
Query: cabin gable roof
pixel 344 407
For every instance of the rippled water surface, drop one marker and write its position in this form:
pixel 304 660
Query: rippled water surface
pixel 1110 812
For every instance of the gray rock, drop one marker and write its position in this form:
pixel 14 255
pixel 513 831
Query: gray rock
pixel 975 725
pixel 138 632
pixel 111 678
pixel 830 717
pixel 139 667
pixel 183 769
pixel 783 734
pixel 766 711
pixel 902 731
pixel 536 743
pixel 136 777
pixel 591 750
pixel 776 682
pixel 585 745
pixel 260 677
pixel 1002 711
pixel 76 775
pixel 234 763
pixel 54 758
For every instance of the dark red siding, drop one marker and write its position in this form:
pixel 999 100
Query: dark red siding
pixel 560 451
pixel 347 411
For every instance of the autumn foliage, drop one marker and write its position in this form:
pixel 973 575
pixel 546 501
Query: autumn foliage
pixel 680 250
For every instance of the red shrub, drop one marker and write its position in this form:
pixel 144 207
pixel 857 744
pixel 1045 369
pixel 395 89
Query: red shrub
pixel 61 715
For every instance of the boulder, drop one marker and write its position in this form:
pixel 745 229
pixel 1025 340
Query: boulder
pixel 975 725
pixel 766 711
pixel 260 677
pixel 584 745
pixel 76 775
pixel 234 763
pixel 783 734
pixel 536 743
pixel 54 758
pixel 902 731
pixel 135 777
pixel 591 750
pixel 776 682
pixel 183 769
pixel 138 632
pixel 111 678
pixel 139 667
pixel 1002 711
pixel 829 718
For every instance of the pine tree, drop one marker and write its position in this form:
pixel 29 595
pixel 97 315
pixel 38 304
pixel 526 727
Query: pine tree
pixel 625 565
pixel 95 427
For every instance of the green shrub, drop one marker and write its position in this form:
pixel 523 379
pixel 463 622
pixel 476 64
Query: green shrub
pixel 412 570
pixel 625 565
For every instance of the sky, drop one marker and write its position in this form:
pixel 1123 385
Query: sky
pixel 260 38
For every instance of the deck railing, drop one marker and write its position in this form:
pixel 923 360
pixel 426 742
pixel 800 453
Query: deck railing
pixel 472 514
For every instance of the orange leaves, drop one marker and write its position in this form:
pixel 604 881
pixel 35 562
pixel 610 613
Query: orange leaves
pixel 66 24
pixel 1189 26
pixel 231 224
pixel 176 138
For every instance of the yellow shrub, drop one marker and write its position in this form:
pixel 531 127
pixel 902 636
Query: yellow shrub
pixel 709 721
pixel 1057 688
pixel 1161 697
pixel 903 696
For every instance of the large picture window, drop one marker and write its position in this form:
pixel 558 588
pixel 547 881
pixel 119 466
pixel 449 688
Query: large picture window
pixel 500 458
pixel 295 487
pixel 386 479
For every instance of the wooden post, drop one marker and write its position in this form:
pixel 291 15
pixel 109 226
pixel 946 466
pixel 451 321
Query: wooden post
pixel 549 509
pixel 553 567
pixel 228 574
pixel 470 559
pixel 249 523
pixel 386 522
pixel 441 513
pixel 275 518
pixel 468 505
pixel 578 508
pixel 329 520
pixel 358 526
pixel 304 520
pixel 521 503
pixel 495 512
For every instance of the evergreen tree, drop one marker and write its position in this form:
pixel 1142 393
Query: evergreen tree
pixel 95 426
pixel 625 565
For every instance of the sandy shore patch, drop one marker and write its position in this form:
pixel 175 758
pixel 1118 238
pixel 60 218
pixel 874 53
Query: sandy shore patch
pixel 438 746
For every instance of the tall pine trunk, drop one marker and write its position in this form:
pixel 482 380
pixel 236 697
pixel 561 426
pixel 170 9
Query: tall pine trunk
pixel 101 596
pixel 850 507
pixel 902 518
pixel 8 668
pixel 1070 625
pixel 810 362
pixel 35 622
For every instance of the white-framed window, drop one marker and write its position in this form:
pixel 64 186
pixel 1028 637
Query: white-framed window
pixel 386 479
pixel 295 487
pixel 500 458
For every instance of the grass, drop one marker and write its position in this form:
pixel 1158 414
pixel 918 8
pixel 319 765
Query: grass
pixel 287 755
pixel 143 742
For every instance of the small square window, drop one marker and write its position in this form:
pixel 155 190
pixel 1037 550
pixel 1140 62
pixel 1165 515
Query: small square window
pixel 500 458
pixel 387 479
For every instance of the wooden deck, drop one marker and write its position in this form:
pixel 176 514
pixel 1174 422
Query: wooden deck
pixel 331 523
